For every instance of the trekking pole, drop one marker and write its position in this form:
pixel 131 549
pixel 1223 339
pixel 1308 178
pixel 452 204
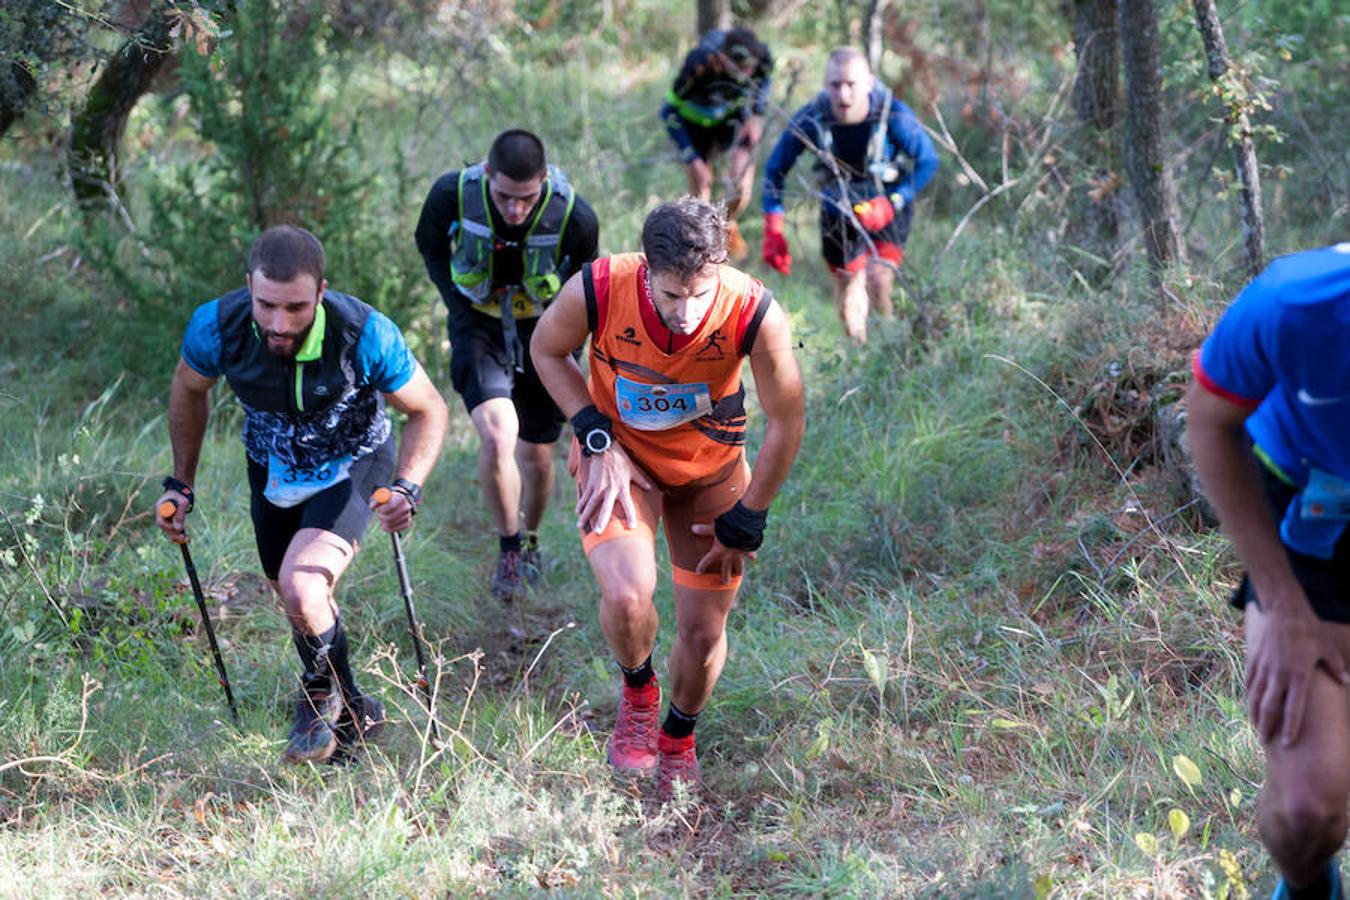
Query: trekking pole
pixel 381 497
pixel 166 511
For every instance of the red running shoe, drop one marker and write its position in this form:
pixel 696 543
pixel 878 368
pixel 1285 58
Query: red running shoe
pixel 678 762
pixel 632 749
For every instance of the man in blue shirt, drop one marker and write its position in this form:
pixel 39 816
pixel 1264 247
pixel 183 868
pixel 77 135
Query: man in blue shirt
pixel 872 159
pixel 1269 426
pixel 312 369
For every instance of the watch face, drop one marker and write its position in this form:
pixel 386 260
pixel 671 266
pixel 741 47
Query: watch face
pixel 598 440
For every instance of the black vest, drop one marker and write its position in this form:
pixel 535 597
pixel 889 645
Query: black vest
pixel 306 409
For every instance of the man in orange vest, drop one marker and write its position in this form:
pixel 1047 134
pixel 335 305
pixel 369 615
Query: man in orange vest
pixel 660 433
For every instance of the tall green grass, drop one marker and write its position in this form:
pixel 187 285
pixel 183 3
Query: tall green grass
pixel 974 658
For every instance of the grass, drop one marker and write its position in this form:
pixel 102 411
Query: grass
pixel 971 661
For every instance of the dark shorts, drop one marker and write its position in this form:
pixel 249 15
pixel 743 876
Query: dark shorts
pixel 341 509
pixel 706 142
pixel 480 370
pixel 844 247
pixel 1325 581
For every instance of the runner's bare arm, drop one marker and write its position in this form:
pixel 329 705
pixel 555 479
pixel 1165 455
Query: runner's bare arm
pixel 778 384
pixel 1233 485
pixel 420 444
pixel 1284 653
pixel 562 329
pixel 189 409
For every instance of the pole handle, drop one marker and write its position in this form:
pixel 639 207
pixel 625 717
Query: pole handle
pixel 382 495
pixel 166 512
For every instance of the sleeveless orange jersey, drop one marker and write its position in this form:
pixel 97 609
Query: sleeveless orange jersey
pixel 676 401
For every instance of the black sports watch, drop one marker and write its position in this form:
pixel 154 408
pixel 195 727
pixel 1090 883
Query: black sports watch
pixel 593 430
pixel 596 441
pixel 412 491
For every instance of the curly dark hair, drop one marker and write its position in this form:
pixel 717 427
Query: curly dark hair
pixel 685 237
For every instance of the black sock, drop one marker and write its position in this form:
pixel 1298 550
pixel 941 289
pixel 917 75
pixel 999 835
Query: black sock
pixel 531 540
pixel 324 656
pixel 510 543
pixel 1318 890
pixel 640 676
pixel 679 724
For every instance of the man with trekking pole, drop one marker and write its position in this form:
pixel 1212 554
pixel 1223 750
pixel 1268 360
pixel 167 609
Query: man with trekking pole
pixel 313 369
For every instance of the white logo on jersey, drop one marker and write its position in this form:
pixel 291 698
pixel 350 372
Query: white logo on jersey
pixel 1309 400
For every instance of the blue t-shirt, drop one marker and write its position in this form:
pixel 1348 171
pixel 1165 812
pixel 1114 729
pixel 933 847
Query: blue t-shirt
pixel 383 359
pixel 1283 350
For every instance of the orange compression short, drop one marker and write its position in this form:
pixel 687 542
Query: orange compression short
pixel 681 507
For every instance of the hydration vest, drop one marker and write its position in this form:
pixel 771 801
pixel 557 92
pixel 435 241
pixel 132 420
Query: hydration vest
pixel 309 408
pixel 729 101
pixel 880 167
pixel 472 262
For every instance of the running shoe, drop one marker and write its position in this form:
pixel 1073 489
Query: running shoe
pixel 353 737
pixel 531 562
pixel 737 249
pixel 632 748
pixel 508 582
pixel 678 762
pixel 312 738
pixel 1333 872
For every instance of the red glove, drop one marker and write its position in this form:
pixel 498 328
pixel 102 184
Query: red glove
pixel 877 213
pixel 775 244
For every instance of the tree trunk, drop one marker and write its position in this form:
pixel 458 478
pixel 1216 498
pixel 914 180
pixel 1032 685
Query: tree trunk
pixel 96 133
pixel 1094 220
pixel 1232 94
pixel 713 14
pixel 1137 21
pixel 872 32
pixel 17 87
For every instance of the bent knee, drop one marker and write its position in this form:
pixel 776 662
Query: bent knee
pixel 702 639
pixel 628 601
pixel 1307 819
pixel 499 439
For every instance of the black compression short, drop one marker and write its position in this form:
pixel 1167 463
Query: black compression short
pixel 841 243
pixel 480 370
pixel 342 509
pixel 1325 581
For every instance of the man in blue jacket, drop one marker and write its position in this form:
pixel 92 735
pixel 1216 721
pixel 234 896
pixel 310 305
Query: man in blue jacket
pixel 1269 426
pixel 872 159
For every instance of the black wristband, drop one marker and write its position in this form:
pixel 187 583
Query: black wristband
pixel 412 491
pixel 586 423
pixel 173 484
pixel 741 528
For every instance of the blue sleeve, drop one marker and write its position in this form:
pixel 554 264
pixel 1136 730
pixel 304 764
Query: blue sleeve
pixel 201 341
pixel 1238 360
pixel 908 135
pixel 781 160
pixel 674 123
pixel 382 355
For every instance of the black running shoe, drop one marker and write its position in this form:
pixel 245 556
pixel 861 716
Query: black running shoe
pixel 351 739
pixel 508 582
pixel 531 563
pixel 312 738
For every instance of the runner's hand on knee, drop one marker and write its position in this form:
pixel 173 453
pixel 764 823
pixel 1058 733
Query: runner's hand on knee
pixel 1282 662
pixel 607 483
